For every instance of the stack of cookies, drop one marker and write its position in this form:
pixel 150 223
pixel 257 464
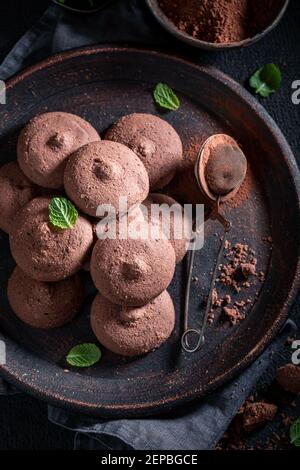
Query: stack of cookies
pixel 62 155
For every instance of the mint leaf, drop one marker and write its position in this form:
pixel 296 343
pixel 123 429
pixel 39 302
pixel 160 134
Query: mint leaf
pixel 84 355
pixel 266 80
pixel 295 433
pixel 165 97
pixel 62 213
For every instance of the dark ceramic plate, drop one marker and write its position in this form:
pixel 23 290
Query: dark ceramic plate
pixel 102 84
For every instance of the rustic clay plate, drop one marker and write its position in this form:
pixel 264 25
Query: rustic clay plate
pixel 102 84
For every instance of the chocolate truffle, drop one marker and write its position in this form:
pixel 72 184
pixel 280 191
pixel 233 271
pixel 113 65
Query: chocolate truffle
pixel 102 172
pixel 155 142
pixel 133 271
pixel 178 228
pixel 15 191
pixel 44 252
pixel 44 304
pixel 133 331
pixel 47 141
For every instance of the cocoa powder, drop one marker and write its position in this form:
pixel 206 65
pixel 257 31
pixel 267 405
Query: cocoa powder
pixel 221 21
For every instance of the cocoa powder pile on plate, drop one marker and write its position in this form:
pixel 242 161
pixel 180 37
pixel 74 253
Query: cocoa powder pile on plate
pixel 238 272
pixel 221 21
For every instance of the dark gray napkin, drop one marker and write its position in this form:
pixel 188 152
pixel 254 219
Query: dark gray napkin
pixel 123 21
pixel 194 427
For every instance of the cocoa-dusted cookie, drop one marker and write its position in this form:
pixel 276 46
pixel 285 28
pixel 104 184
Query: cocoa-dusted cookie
pixel 133 331
pixel 15 191
pixel 176 228
pixel 102 172
pixel 44 305
pixel 44 252
pixel 155 142
pixel 47 141
pixel 133 271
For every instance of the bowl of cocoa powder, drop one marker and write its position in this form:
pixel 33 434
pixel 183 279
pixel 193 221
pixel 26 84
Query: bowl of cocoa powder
pixel 218 24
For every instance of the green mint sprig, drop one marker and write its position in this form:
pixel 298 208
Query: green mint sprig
pixel 295 433
pixel 266 80
pixel 84 355
pixel 165 97
pixel 62 213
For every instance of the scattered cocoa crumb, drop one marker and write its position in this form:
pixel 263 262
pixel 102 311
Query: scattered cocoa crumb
pixel 214 297
pixel 227 245
pixel 210 317
pixel 240 304
pixel 218 301
pixel 288 378
pixel 248 269
pixel 257 414
pixel 233 315
pixel 240 267
pixel 236 272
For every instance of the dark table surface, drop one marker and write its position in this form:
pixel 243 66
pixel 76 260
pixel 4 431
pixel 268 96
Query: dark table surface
pixel 23 420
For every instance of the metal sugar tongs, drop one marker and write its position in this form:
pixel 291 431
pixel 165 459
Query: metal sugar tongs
pixel 222 189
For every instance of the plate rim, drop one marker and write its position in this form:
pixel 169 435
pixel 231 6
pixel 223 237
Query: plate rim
pixel 145 409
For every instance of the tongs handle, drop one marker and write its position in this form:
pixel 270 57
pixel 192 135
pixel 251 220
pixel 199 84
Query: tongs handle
pixel 199 334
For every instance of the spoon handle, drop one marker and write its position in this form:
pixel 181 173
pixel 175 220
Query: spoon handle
pixel 199 334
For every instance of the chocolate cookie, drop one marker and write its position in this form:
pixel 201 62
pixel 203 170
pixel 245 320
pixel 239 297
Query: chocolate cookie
pixel 44 252
pixel 133 331
pixel 15 191
pixel 47 141
pixel 101 173
pixel 44 304
pixel 133 271
pixel 177 226
pixel 155 142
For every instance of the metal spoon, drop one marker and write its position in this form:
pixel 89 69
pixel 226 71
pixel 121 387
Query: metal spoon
pixel 226 173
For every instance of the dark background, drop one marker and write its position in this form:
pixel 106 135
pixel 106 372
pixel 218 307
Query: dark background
pixel 23 420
